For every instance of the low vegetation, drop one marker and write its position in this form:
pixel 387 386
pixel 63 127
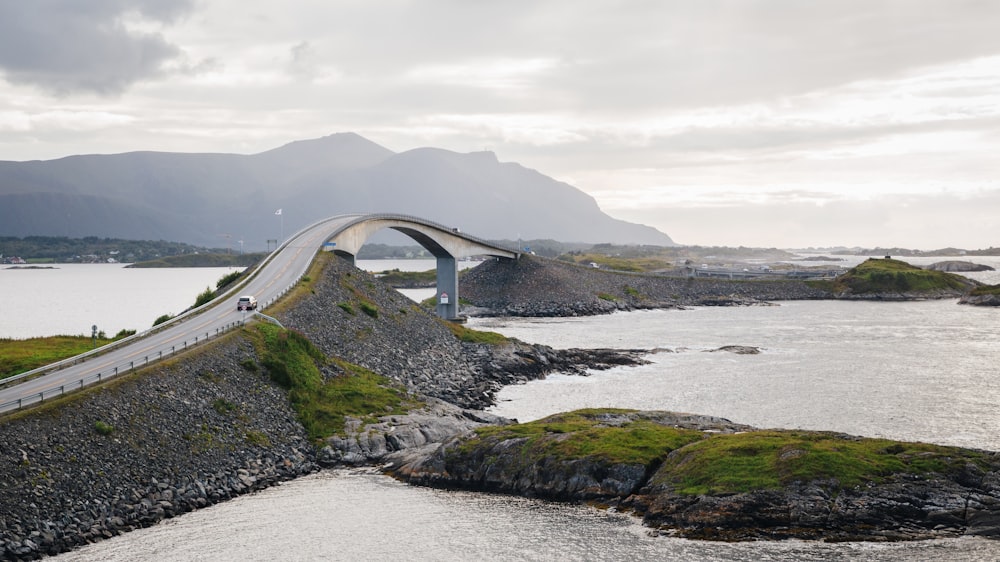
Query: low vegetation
pixel 985 290
pixel 617 263
pixel 894 276
pixel 469 335
pixel 693 462
pixel 408 279
pixel 19 356
pixel 578 435
pixel 759 460
pixel 323 404
pixel 203 260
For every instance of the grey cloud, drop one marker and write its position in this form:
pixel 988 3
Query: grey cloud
pixel 66 46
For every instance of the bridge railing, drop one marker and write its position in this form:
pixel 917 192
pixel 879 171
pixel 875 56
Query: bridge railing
pixel 158 355
pixel 232 291
pixel 117 370
pixel 453 230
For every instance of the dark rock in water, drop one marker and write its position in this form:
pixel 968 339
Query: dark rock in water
pixel 957 266
pixel 980 300
pixel 738 349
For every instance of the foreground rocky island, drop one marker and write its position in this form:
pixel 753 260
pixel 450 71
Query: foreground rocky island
pixel 708 478
pixel 359 374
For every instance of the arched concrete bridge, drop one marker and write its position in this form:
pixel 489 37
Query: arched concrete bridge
pixel 447 244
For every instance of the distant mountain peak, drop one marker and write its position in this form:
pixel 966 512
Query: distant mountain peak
pixel 193 197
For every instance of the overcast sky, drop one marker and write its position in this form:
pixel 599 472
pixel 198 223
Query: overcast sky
pixel 785 123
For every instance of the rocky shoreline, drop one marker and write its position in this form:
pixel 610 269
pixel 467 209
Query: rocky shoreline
pixel 211 425
pixel 539 287
pixel 906 506
pixel 178 437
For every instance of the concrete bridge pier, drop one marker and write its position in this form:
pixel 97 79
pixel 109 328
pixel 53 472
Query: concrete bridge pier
pixel 447 288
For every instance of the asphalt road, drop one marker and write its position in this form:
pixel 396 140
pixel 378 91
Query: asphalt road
pixel 269 282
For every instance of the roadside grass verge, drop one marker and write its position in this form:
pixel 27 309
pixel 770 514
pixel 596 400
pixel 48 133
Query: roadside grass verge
pixel 19 356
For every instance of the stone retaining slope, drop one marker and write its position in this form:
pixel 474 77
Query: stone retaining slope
pixel 210 425
pixel 181 436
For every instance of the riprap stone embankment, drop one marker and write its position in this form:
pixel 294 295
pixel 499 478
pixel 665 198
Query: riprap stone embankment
pixel 184 435
pixel 351 315
pixel 210 424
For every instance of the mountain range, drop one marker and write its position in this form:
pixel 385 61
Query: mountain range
pixel 214 199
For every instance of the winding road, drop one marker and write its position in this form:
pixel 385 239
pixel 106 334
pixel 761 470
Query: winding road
pixel 271 280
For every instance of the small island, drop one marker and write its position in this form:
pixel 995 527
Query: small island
pixel 708 478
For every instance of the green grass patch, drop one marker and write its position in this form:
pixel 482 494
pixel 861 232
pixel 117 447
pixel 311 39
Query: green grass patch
pixel 103 428
pixel 606 297
pixel 582 434
pixel 469 335
pixel 619 263
pixel 889 275
pixel 397 278
pixel 761 460
pixel 19 356
pixel 346 307
pixel 223 406
pixel 369 308
pixel 985 290
pixel 323 405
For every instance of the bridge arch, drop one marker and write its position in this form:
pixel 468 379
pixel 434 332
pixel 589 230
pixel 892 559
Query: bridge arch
pixel 446 244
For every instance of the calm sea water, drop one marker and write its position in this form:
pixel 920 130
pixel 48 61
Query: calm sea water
pixel 923 371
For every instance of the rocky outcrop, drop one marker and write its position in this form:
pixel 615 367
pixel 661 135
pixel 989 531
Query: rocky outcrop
pixel 534 286
pixel 958 266
pixel 429 426
pixel 902 508
pixel 204 428
pixel 903 505
pixel 982 298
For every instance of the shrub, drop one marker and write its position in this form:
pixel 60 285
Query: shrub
pixel 369 308
pixel 161 319
pixel 346 307
pixel 103 428
pixel 124 333
pixel 204 297
pixel 223 406
pixel 227 279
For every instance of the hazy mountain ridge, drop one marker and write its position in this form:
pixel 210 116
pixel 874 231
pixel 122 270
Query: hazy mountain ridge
pixel 200 198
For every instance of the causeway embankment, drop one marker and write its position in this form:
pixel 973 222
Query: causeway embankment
pixel 212 423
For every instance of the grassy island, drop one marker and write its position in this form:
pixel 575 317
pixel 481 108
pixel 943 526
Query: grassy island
pixel 708 459
pixel 887 275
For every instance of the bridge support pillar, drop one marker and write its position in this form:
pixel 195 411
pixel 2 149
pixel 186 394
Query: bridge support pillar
pixel 447 288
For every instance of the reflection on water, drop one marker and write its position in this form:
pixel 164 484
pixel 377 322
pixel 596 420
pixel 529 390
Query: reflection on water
pixel 358 515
